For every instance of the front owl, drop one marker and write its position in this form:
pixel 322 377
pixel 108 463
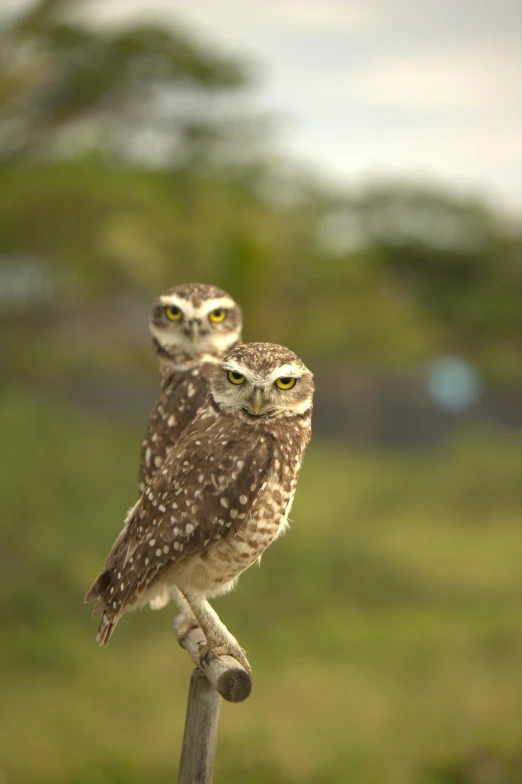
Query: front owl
pixel 221 497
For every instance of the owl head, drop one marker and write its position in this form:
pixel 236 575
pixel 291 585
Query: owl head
pixel 192 320
pixel 262 380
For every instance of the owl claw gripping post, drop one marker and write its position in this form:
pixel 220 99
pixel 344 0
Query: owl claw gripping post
pixel 221 497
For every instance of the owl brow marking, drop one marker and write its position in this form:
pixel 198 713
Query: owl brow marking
pixel 224 303
pixel 289 370
pixel 173 300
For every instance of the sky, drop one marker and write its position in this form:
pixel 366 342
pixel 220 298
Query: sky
pixel 380 89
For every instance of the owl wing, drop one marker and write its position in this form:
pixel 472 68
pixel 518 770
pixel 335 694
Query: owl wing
pixel 207 486
pixel 180 399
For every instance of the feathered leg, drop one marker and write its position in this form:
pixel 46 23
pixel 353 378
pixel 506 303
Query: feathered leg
pixel 220 642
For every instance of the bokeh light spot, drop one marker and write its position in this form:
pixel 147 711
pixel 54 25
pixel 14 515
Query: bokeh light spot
pixel 453 384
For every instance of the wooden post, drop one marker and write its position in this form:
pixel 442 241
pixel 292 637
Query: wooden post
pixel 225 673
pixel 201 727
pixel 223 676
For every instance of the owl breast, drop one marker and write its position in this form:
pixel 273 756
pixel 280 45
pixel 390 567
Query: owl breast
pixel 215 569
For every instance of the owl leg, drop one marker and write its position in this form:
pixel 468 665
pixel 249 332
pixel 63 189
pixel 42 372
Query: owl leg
pixel 160 600
pixel 186 621
pixel 219 641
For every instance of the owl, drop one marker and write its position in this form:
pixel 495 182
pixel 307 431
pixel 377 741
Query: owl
pixel 220 498
pixel 192 325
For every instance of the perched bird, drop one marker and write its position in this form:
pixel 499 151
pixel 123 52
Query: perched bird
pixel 192 325
pixel 221 497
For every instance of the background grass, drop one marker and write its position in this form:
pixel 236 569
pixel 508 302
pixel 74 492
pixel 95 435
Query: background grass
pixel 384 630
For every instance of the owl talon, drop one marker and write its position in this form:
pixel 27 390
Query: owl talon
pixel 208 652
pixel 183 629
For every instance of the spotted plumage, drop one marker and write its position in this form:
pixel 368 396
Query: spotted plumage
pixel 222 495
pixel 188 341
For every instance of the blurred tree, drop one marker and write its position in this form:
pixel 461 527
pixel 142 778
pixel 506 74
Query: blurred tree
pixel 87 115
pixel 456 259
pixel 139 91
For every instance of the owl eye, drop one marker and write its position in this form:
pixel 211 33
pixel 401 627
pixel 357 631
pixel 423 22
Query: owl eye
pixel 285 383
pixel 173 313
pixel 235 378
pixel 217 315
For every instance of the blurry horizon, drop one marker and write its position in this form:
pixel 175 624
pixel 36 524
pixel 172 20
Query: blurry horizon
pixel 392 90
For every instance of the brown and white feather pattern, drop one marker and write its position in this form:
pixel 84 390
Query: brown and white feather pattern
pixel 186 363
pixel 207 516
pixel 221 497
pixel 183 393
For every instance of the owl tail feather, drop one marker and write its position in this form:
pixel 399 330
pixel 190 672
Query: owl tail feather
pixel 105 629
pixel 99 587
pixel 98 592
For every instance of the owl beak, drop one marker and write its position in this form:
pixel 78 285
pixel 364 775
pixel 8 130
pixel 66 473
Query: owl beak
pixel 257 400
pixel 194 331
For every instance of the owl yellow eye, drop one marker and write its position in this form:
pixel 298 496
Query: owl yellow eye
pixel 235 378
pixel 217 315
pixel 173 313
pixel 285 383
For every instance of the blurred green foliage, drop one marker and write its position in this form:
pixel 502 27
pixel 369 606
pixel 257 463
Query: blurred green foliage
pixel 384 629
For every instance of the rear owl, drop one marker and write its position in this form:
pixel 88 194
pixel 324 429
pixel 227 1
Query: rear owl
pixel 192 326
